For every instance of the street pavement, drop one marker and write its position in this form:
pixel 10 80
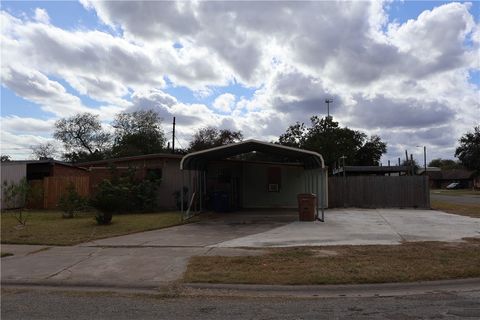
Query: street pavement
pixel 457 199
pixel 28 303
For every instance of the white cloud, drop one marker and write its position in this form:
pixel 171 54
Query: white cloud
pixel 41 15
pixel 224 102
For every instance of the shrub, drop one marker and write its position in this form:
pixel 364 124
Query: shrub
pixel 71 202
pixel 103 218
pixel 127 194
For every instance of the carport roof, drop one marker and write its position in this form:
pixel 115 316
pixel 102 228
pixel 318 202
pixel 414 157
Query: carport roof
pixel 199 160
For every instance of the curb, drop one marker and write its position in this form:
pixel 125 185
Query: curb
pixel 252 290
pixel 90 286
pixel 340 290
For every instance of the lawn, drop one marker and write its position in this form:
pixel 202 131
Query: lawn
pixel 470 209
pixel 49 228
pixel 351 264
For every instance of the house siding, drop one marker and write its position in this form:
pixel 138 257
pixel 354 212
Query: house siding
pixel 11 173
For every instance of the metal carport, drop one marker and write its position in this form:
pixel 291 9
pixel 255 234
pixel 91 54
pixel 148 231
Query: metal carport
pixel 315 176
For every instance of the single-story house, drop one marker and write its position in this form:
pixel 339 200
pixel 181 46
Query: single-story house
pixel 466 178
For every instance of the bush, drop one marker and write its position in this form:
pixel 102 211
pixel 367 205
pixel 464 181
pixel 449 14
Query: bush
pixel 127 194
pixel 71 202
pixel 103 218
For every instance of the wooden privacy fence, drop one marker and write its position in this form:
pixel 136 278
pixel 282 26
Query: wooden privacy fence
pixel 379 192
pixel 55 187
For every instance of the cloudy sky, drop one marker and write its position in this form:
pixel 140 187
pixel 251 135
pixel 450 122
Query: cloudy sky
pixel 407 71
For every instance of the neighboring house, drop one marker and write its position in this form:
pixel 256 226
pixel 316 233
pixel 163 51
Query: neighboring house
pixel 466 178
pixel 434 175
pixel 165 166
pixel 48 179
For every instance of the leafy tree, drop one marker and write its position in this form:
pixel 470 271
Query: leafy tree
pixel 44 151
pixel 138 133
pixel 5 158
pixel 326 137
pixel 469 150
pixel 210 137
pixel 83 136
pixel 445 164
pixel 370 153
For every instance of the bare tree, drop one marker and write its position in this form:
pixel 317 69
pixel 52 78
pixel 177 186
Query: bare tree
pixel 44 151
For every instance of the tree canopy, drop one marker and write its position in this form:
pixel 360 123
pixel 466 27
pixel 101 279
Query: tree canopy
pixel 138 133
pixel 326 137
pixel 82 136
pixel 210 137
pixel 469 150
pixel 445 164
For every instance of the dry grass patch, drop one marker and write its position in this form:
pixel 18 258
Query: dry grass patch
pixel 49 228
pixel 352 264
pixel 5 254
pixel 470 209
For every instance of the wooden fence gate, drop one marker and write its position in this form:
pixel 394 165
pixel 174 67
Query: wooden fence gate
pixel 379 192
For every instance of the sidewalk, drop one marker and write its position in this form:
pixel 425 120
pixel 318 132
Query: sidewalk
pixel 125 267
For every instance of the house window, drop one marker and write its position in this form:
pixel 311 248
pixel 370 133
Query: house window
pixel 274 179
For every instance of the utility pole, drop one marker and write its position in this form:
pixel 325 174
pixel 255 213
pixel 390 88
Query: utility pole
pixel 424 158
pixel 328 101
pixel 173 136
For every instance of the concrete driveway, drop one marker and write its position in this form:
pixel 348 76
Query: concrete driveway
pixel 365 227
pixel 208 232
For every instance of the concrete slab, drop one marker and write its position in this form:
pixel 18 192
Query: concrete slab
pixel 204 233
pixel 365 227
pixel 44 264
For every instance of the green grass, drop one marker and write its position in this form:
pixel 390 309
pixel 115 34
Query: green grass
pixel 466 209
pixel 49 228
pixel 352 264
pixel 5 254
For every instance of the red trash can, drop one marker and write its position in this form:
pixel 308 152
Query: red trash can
pixel 306 206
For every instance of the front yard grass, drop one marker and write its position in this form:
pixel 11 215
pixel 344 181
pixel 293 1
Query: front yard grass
pixel 414 261
pixel 49 228
pixel 466 209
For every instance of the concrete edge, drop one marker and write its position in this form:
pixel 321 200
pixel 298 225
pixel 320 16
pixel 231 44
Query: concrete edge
pixel 251 290
pixel 87 285
pixel 340 290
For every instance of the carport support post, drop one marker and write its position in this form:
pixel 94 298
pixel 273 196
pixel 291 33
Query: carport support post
pixel 181 192
pixel 316 191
